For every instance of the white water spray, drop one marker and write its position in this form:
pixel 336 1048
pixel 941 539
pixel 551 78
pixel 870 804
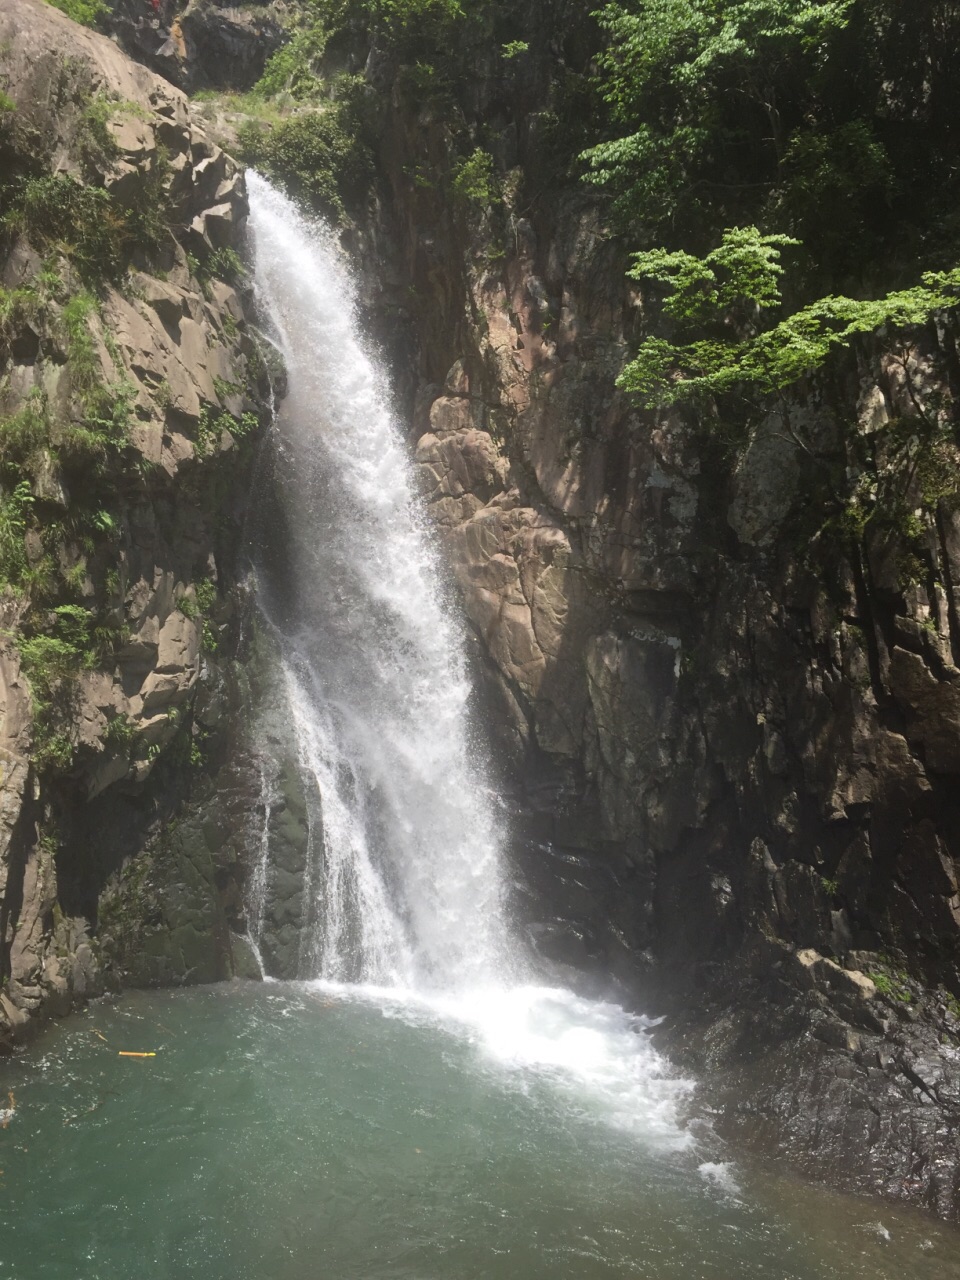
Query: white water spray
pixel 406 881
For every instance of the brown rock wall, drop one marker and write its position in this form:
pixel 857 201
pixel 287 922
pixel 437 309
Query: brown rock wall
pixel 126 733
pixel 727 717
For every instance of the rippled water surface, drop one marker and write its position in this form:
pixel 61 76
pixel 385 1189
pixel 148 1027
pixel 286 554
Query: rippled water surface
pixel 297 1133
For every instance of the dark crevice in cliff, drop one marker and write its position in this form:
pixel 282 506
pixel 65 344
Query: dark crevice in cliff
pixel 23 842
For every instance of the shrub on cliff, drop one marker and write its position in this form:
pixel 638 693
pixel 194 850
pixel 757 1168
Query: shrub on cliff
pixel 313 155
pixel 99 233
pixel 718 306
pixel 14 508
pixel 716 346
pixel 409 27
pixel 474 180
pixel 89 13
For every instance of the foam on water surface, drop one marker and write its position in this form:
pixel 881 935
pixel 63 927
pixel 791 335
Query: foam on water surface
pixel 593 1053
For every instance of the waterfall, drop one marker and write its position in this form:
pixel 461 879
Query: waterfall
pixel 404 876
pixel 373 656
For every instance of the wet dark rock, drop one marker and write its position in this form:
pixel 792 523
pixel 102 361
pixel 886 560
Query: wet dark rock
pixel 243 959
pixel 286 912
pixel 730 743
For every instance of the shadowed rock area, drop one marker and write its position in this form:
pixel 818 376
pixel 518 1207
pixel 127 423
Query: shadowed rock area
pixel 729 728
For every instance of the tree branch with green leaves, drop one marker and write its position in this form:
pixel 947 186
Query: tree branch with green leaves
pixel 719 305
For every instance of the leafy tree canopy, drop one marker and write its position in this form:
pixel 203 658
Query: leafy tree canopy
pixel 718 303
pixel 744 269
pixel 690 77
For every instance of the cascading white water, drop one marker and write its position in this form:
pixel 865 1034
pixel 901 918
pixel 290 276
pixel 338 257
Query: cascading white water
pixel 257 890
pixel 406 887
pixel 373 663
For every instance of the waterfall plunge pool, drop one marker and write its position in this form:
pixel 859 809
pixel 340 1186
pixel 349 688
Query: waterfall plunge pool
pixel 301 1132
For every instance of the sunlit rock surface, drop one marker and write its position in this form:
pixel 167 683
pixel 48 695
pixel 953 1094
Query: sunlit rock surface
pixel 144 726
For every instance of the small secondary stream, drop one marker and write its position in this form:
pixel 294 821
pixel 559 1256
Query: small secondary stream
pixel 424 1104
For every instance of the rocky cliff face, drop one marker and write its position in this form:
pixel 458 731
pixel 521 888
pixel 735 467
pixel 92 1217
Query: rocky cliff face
pixel 133 387
pixel 201 44
pixel 728 713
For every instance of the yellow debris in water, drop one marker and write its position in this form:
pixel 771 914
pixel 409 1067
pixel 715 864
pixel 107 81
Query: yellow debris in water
pixel 127 1053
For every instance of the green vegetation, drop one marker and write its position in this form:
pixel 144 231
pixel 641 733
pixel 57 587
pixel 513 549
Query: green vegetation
pixel 17 308
pixel 51 660
pixel 409 27
pixel 23 437
pixel 765 158
pixel 55 646
pixel 94 141
pixel 56 211
pixel 202 601
pixel 225 264
pixel 222 264
pixel 87 12
pixel 81 354
pixel 45 453
pixel 789 118
pixel 69 476
pixel 120 733
pixel 315 155
pixel 211 426
pixel 295 68
pixel 311 130
pixel 198 607
pixel 211 641
pixel 819 120
pixel 413 29
pixel 891 985
pixel 725 354
pixel 97 232
pixel 206 594
pixel 699 84
pixel 473 178
pixel 717 305
pixel 14 509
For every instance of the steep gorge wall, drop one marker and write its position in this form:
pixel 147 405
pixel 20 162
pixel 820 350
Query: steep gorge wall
pixel 730 723
pixel 201 44
pixel 133 389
